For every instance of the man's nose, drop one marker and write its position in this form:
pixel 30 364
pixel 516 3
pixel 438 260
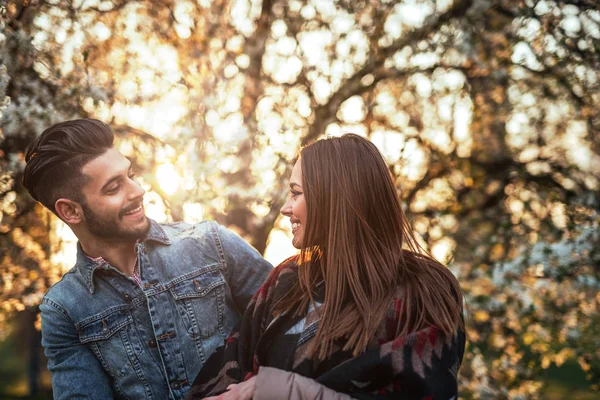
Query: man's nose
pixel 136 190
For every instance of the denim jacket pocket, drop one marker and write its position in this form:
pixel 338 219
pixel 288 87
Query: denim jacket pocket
pixel 113 340
pixel 200 301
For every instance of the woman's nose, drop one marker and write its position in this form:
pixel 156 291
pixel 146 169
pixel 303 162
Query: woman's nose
pixel 286 209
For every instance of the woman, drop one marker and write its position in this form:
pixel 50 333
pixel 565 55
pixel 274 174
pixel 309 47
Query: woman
pixel 360 310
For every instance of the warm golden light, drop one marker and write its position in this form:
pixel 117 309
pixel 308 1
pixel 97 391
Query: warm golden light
pixel 168 178
pixel 279 246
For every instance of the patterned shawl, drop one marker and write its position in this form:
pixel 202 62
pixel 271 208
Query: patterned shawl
pixel 422 365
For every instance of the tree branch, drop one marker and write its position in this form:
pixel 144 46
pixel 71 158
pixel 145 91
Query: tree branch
pixel 325 113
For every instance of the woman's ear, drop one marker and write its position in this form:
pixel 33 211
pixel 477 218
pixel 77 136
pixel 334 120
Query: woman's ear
pixel 69 211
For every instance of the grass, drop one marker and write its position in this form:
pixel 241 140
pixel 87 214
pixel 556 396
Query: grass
pixel 566 382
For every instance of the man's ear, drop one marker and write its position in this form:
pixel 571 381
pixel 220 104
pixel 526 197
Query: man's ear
pixel 69 211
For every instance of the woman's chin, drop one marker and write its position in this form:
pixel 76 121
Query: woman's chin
pixel 297 243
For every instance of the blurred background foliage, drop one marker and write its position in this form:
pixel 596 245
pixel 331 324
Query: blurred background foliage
pixel 487 111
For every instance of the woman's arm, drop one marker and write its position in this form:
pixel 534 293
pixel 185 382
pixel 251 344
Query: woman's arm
pixel 273 384
pixel 235 361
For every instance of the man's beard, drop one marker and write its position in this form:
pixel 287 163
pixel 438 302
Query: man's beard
pixel 109 228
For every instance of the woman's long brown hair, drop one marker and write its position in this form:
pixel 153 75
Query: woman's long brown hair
pixel 358 241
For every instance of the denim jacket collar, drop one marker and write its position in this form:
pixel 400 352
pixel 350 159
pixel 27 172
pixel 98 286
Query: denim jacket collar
pixel 86 266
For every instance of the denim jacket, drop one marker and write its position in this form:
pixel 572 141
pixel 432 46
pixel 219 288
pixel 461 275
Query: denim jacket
pixel 107 337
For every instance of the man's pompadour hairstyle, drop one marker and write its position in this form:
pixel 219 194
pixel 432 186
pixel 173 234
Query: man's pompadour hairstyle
pixel 55 159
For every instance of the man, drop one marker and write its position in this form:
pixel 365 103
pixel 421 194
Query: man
pixel 146 304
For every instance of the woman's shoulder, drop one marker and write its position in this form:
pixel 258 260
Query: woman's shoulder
pixel 424 264
pixel 286 267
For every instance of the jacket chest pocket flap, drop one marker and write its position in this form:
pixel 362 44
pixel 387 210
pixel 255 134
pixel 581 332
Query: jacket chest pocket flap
pixel 104 327
pixel 200 302
pixel 110 339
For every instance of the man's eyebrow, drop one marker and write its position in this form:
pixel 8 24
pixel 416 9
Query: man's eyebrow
pixel 114 178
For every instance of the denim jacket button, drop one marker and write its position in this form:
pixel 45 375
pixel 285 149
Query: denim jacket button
pixel 152 342
pixel 176 385
pixel 127 297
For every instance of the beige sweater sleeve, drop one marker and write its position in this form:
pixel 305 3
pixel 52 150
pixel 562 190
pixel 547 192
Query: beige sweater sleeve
pixel 276 384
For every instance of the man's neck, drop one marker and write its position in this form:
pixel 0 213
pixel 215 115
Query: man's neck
pixel 121 255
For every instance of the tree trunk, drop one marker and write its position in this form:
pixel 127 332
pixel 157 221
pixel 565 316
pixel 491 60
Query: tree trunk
pixel 34 338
